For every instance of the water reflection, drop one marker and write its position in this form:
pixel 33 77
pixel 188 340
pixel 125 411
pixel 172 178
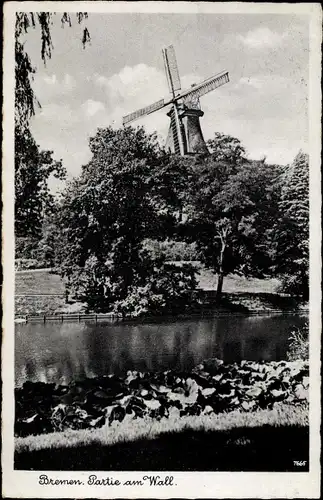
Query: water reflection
pixel 60 352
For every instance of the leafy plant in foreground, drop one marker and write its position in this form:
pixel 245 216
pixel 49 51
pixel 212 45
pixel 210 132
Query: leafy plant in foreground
pixel 299 344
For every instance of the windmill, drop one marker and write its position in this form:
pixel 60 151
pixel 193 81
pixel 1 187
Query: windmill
pixel 185 134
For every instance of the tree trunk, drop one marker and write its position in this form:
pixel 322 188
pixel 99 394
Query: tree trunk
pixel 219 287
pixel 220 273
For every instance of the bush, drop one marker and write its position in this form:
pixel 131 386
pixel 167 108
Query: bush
pixel 156 287
pixel 25 247
pixel 168 290
pixel 298 344
pixel 91 284
pixel 35 253
pixel 296 285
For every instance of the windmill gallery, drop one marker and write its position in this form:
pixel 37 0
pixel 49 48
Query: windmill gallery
pixel 185 135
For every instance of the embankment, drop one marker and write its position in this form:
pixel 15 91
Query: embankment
pixel 43 292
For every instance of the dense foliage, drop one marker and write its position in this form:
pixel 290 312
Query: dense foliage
pixel 299 344
pixel 291 232
pixel 125 195
pixel 225 148
pixel 136 209
pixel 40 251
pixel 33 199
pixel 233 206
pixel 211 388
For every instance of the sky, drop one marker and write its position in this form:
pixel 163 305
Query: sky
pixel 264 104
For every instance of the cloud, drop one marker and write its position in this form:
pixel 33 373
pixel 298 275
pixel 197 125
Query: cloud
pixel 112 97
pixel 255 97
pixel 50 80
pixel 49 87
pixel 91 107
pixel 134 88
pixel 266 82
pixel 68 83
pixel 260 38
pixel 61 114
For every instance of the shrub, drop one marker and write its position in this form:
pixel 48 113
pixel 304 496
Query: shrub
pixel 34 253
pixel 156 286
pixel 167 290
pixel 25 247
pixel 91 284
pixel 296 285
pixel 298 344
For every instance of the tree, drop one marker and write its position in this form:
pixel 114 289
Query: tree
pixel 33 200
pixel 231 216
pixel 225 148
pixel 291 238
pixel 108 213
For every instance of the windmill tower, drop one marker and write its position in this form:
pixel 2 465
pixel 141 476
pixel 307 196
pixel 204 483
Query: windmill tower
pixel 185 134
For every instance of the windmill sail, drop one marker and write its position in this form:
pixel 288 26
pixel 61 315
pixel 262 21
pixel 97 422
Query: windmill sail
pixel 205 87
pixel 178 139
pixel 143 111
pixel 174 84
pixel 173 134
pixel 171 69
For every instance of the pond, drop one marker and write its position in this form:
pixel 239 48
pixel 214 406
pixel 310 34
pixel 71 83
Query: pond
pixel 61 352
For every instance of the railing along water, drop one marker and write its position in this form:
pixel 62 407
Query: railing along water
pixel 69 317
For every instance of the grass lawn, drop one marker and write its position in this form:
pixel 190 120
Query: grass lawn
pixel 38 292
pixel 38 282
pixel 267 440
pixel 43 282
pixel 41 292
pixel 41 304
pixel 233 283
